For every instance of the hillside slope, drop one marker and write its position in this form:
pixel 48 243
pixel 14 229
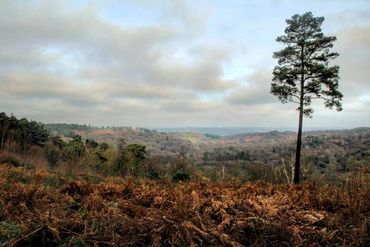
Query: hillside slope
pixel 338 150
pixel 40 208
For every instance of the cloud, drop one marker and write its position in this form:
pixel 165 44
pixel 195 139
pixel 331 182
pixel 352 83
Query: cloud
pixel 188 105
pixel 28 86
pixel 78 58
pixel 140 91
pixel 151 64
pixel 354 50
pixel 192 18
pixel 255 92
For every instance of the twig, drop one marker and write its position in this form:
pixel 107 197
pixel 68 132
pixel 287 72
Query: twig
pixel 29 234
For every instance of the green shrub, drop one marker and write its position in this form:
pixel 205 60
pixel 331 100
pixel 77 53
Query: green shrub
pixel 153 175
pixel 11 161
pixel 180 176
pixel 8 231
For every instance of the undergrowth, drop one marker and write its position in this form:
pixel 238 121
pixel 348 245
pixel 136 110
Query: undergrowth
pixel 40 208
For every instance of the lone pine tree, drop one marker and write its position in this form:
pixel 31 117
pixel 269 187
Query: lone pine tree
pixel 303 72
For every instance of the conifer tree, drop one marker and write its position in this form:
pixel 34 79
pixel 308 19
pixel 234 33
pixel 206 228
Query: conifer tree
pixel 303 72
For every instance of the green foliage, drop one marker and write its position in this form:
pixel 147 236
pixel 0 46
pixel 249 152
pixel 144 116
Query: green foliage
pixel 8 231
pixel 11 161
pixel 314 141
pixel 153 175
pixel 55 150
pixel 212 136
pixel 303 72
pixel 121 163
pixel 180 176
pixel 136 154
pixel 103 146
pixel 53 154
pixel 244 157
pixel 131 159
pixel 101 157
pixel 223 154
pixel 75 148
pixel 67 130
pixel 58 141
pixel 22 131
pixel 90 143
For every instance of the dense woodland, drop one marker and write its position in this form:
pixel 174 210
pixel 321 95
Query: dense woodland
pixel 122 151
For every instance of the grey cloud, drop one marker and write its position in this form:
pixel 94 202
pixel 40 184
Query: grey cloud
pixel 356 38
pixel 17 58
pixel 354 49
pixel 135 52
pixel 187 105
pixel 46 86
pixel 144 91
pixel 33 85
pixel 256 91
pixel 62 61
pixel 203 76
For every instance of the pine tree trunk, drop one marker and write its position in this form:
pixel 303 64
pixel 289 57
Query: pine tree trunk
pixel 297 165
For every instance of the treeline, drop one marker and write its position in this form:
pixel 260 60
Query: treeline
pixel 67 130
pixel 23 132
pixel 145 153
pixel 22 139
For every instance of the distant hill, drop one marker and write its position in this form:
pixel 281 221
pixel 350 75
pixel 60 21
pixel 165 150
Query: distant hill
pixel 322 148
pixel 227 131
pixel 214 131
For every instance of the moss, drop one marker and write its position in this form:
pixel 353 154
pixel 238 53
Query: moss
pixel 9 231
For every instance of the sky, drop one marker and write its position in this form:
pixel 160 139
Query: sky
pixel 171 63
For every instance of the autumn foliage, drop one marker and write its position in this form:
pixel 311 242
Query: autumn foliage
pixel 40 208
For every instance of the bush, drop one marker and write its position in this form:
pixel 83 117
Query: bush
pixel 153 175
pixel 11 161
pixel 180 176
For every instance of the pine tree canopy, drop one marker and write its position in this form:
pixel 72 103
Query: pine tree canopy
pixel 304 72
